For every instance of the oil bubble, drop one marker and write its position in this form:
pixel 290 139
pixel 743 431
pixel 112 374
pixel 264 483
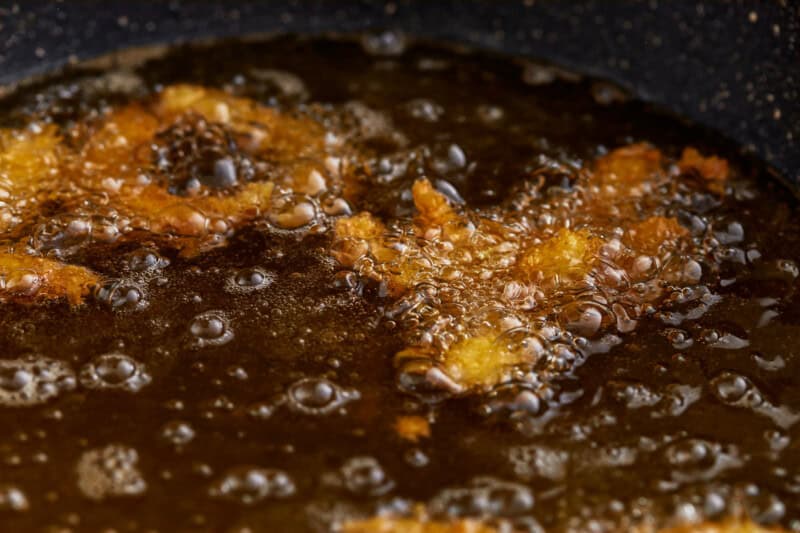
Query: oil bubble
pixel 251 485
pixel 110 472
pixel 33 380
pixel 114 371
pixel 318 396
pixel 695 460
pixel 21 282
pixel 535 461
pixel 424 109
pixel 734 389
pixel 482 497
pixel 145 260
pixel 514 398
pixel 210 329
pixel 386 44
pixel 292 211
pixel 364 476
pixel 177 432
pixel 250 279
pixel 13 499
pixel 120 294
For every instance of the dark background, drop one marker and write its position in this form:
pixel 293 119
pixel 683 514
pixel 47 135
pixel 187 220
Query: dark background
pixel 733 66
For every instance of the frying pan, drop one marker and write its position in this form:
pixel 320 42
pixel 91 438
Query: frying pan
pixel 731 66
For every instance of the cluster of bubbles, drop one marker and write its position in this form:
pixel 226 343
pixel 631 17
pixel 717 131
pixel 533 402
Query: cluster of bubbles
pixel 111 471
pixel 483 497
pixel 33 380
pixel 364 476
pixel 467 298
pixel 311 396
pixel 251 485
pixel 178 433
pixel 114 371
pixel 690 467
pixel 211 328
pixel 737 390
pixel 64 234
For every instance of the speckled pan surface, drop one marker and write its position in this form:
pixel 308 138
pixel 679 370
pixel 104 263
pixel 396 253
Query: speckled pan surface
pixel 733 66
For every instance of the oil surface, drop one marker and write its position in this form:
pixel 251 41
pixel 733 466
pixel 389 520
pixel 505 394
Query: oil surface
pixel 254 385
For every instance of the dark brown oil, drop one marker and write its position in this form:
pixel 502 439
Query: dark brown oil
pixel 680 422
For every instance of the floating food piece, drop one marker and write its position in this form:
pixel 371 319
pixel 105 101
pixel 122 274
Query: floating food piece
pixel 480 361
pixel 463 277
pixel 412 428
pixel 714 170
pixel 567 256
pixel 654 234
pixel 188 168
pixel 729 526
pixel 25 278
pixel 432 206
pixel 629 165
pixel 29 164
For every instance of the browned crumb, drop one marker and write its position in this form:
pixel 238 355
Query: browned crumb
pixel 412 428
pixel 714 170
pixel 112 171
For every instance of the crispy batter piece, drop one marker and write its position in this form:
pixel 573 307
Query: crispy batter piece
pixel 412 428
pixel 234 161
pixel 29 164
pixel 465 277
pixel 121 148
pixel 432 206
pixel 267 130
pixel 714 170
pixel 567 256
pixel 481 361
pixel 25 278
pixel 654 234
pixel 629 165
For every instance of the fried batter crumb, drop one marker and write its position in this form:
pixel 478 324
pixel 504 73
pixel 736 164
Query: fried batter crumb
pixel 412 428
pixel 187 167
pixel 481 361
pixel 629 165
pixel 714 170
pixel 24 278
pixel 655 233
